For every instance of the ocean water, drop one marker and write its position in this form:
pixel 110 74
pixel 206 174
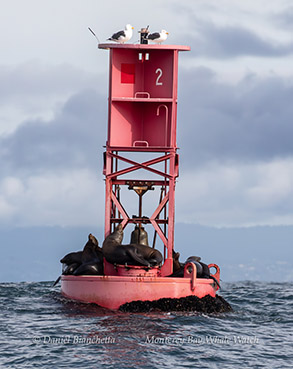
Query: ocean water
pixel 42 329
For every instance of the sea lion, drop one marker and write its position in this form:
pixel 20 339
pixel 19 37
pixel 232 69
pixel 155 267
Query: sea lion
pixel 72 257
pixel 92 258
pixel 70 268
pixel 89 268
pixel 178 268
pixel 176 262
pixel 191 259
pixel 57 281
pixel 132 254
pixel 67 270
pixel 203 271
pixel 88 261
pixel 196 261
pixel 115 237
pixel 91 251
pixel 198 268
pixel 85 261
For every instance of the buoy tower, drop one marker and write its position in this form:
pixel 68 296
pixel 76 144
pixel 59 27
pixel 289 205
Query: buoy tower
pixel 143 119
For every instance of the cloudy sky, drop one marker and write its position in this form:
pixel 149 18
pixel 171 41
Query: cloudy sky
pixel 234 112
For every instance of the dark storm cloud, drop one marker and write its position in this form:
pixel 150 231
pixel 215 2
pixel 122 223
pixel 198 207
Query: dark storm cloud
pixel 217 121
pixel 72 139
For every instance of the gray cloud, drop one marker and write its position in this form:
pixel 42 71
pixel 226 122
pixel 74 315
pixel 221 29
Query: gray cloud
pixel 212 40
pixel 285 18
pixel 34 79
pixel 249 121
pixel 231 41
pixel 71 139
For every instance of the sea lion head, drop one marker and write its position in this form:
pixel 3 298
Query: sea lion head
pixel 118 233
pixel 95 243
pixel 114 238
pixel 119 228
pixel 176 263
pixel 93 239
pixel 193 258
pixel 72 257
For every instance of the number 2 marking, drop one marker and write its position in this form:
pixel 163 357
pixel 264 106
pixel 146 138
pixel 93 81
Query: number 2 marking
pixel 158 83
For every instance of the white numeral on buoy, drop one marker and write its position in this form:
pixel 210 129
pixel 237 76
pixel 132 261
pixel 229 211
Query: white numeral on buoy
pixel 160 73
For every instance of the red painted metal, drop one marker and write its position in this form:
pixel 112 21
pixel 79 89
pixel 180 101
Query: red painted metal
pixel 142 119
pixel 112 291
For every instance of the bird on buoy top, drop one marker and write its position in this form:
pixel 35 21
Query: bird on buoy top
pixel 122 36
pixel 158 37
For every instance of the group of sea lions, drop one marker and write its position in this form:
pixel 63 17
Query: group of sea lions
pixel 85 262
pixel 131 254
pixel 89 261
pixel 202 269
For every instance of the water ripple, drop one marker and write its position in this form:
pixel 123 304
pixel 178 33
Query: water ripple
pixel 40 328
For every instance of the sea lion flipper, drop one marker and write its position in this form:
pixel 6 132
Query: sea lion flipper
pixel 132 252
pixel 57 280
pixel 91 268
pixel 215 279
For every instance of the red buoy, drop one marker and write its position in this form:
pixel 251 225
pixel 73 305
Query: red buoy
pixel 142 122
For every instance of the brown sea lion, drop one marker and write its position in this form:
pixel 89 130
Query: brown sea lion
pixel 89 261
pixel 67 270
pixel 178 268
pixel 90 258
pixel 114 238
pixel 132 254
pixel 70 268
pixel 91 251
pixel 89 268
pixel 72 257
pixel 205 271
pixel 202 269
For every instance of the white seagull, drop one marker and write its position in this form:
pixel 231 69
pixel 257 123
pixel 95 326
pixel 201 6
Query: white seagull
pixel 158 37
pixel 122 36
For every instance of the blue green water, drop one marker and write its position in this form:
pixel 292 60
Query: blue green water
pixel 42 329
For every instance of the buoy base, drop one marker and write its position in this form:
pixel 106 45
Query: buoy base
pixel 113 291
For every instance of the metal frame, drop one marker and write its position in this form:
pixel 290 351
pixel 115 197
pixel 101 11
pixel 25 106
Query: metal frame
pixel 115 212
pixel 164 212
